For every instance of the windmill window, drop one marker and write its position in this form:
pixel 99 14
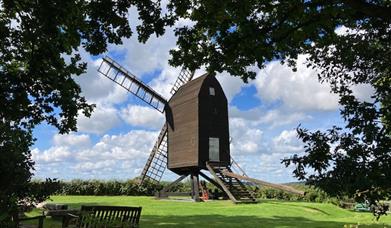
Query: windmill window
pixel 212 91
pixel 214 149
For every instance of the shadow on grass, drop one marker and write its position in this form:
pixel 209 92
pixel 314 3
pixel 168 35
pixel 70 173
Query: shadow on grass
pixel 218 220
pixel 176 221
pixel 72 206
pixel 235 221
pixel 302 206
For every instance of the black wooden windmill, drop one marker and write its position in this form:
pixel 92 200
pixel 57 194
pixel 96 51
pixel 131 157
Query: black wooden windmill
pixel 195 136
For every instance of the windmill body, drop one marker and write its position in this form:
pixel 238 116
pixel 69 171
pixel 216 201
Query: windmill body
pixel 195 136
pixel 198 130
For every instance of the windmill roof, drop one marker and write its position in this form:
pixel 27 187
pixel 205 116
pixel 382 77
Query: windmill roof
pixel 192 86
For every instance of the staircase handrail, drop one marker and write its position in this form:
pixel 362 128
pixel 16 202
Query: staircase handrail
pixel 236 165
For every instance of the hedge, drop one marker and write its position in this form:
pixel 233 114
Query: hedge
pixel 131 188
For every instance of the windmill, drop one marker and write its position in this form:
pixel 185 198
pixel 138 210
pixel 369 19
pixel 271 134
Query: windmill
pixel 195 136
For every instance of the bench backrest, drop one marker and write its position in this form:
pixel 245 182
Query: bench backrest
pixel 109 216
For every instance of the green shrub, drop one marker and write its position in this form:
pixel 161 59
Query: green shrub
pixel 132 188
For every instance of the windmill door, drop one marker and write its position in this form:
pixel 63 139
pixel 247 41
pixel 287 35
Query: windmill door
pixel 214 149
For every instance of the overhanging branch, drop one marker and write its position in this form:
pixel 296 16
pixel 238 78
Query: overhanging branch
pixel 369 9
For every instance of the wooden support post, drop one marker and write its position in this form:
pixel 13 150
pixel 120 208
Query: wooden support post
pixel 163 193
pixel 195 185
pixel 40 221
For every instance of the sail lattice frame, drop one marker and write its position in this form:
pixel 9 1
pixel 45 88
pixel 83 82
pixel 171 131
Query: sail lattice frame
pixel 184 77
pixel 130 82
pixel 157 161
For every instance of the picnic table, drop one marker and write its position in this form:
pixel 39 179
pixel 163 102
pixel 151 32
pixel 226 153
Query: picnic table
pixel 64 215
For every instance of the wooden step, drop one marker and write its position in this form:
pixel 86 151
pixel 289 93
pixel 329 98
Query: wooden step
pixel 237 191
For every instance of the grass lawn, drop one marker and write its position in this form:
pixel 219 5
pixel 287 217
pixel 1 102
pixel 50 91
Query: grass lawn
pixel 164 213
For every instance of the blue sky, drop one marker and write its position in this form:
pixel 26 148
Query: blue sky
pixel 116 141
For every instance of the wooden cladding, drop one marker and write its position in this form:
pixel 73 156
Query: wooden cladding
pixel 199 115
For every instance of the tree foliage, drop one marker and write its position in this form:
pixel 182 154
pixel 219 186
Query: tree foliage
pixel 39 58
pixel 238 36
pixel 40 44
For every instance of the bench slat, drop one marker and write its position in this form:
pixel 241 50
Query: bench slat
pixel 102 216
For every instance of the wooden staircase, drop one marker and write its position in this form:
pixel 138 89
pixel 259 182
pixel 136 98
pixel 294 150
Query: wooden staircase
pixel 233 187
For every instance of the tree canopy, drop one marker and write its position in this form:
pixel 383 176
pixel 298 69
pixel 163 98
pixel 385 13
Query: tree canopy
pixel 236 36
pixel 40 43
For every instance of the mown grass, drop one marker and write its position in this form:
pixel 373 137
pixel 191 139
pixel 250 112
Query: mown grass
pixel 169 213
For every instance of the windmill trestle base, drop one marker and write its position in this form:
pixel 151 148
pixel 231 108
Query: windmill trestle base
pixel 165 192
pixel 231 186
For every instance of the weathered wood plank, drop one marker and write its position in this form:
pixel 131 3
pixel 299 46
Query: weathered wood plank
pixel 264 183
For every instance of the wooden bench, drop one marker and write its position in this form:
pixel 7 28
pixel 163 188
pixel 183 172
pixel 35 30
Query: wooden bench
pixel 107 216
pixel 19 220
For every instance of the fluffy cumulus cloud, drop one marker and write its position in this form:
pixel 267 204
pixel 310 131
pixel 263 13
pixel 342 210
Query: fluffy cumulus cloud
pixel 144 58
pixel 245 139
pixel 142 116
pixel 270 118
pixel 298 90
pixel 102 119
pixel 102 92
pixel 258 148
pixel 135 144
pixel 231 85
pixel 54 154
pixel 72 140
pixel 97 88
pixel 110 153
pixel 261 136
pixel 276 118
pixel 287 143
pixel 165 81
pixel 363 92
pixel 62 149
pixel 250 149
pixel 266 164
pixel 95 167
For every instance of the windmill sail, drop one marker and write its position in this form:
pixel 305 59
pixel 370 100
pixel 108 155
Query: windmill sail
pixel 184 77
pixel 127 80
pixel 157 161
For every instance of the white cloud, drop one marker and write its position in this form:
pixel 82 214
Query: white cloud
pixel 165 81
pixel 363 92
pixel 71 140
pixel 111 152
pixel 136 144
pixel 245 138
pixel 231 85
pixel 272 118
pixel 141 58
pixel 124 155
pixel 266 164
pixel 95 166
pixel 142 116
pixel 299 90
pixel 54 154
pixel 343 31
pixel 287 142
pixel 275 118
pixel 97 88
pixel 102 119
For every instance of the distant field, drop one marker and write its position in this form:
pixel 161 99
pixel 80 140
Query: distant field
pixel 163 213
